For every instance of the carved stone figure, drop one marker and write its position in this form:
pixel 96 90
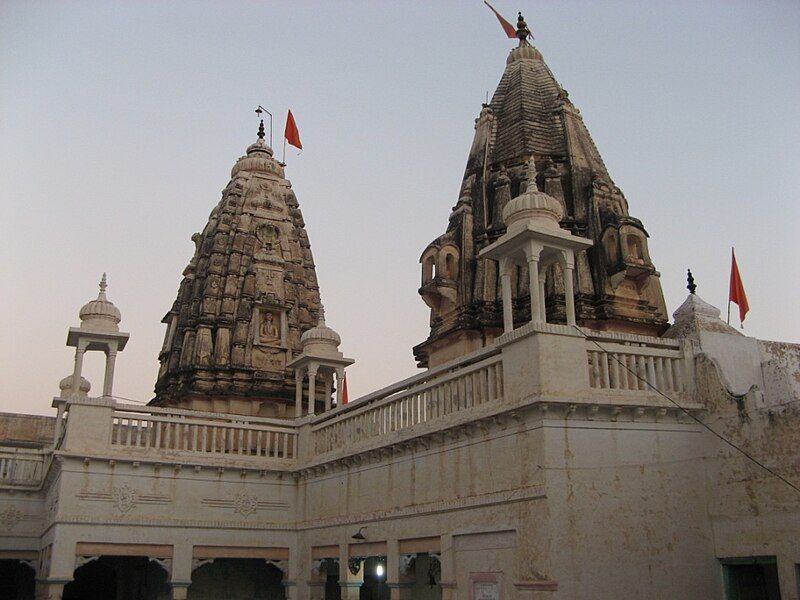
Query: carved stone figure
pixel 269 333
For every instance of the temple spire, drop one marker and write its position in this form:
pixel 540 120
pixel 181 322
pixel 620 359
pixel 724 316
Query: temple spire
pixel 690 282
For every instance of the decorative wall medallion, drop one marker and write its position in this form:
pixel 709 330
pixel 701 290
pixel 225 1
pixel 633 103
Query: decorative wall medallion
pixel 10 517
pixel 245 504
pixel 124 497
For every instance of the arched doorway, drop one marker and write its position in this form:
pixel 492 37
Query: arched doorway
pixel 17 580
pixel 119 577
pixel 237 579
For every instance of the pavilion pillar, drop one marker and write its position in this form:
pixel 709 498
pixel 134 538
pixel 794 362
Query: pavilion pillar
pixel 108 380
pixel 298 392
pixel 312 388
pixel 505 285
pixel 569 288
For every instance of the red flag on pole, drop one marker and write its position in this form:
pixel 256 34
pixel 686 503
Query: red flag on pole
pixel 736 291
pixel 510 30
pixel 291 133
pixel 345 399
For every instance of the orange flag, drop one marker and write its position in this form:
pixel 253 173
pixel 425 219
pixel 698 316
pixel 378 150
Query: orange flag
pixel 291 133
pixel 510 30
pixel 345 399
pixel 736 292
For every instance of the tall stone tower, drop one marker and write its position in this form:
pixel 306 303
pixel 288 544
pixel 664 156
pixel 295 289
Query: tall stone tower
pixel 616 285
pixel 247 295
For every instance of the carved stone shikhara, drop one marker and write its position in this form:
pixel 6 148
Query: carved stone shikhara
pixel 248 294
pixel 616 285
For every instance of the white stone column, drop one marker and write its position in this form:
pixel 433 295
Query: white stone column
pixel 533 271
pixel 505 288
pixel 447 562
pixel 339 385
pixel 328 389
pixel 569 288
pixel 77 370
pixel 298 392
pixel 108 381
pixel 312 388
pixel 393 568
pixel 542 305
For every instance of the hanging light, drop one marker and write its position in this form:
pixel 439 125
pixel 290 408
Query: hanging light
pixel 379 570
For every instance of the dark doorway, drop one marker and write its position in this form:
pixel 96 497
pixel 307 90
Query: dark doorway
pixel 237 579
pixel 120 578
pixel 374 586
pixel 17 580
pixel 752 579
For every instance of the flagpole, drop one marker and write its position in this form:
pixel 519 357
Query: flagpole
pixel 284 150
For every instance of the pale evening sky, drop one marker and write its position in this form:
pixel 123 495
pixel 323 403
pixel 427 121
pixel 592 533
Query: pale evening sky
pixel 120 121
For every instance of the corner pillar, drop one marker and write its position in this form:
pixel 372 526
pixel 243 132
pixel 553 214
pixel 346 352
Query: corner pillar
pixel 78 369
pixel 328 390
pixel 298 392
pixel 505 288
pixel 542 306
pixel 533 271
pixel 569 286
pixel 108 381
pixel 312 388
pixel 339 385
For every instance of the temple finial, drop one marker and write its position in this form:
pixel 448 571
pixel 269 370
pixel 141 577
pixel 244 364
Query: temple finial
pixel 523 33
pixel 531 173
pixel 103 284
pixel 690 280
pixel 261 132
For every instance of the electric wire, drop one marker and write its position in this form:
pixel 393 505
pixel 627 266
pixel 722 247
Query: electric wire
pixel 689 414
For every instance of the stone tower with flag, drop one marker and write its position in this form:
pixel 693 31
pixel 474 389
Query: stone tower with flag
pixel 617 287
pixel 248 294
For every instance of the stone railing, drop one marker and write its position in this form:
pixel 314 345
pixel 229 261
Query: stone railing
pixel 635 363
pixel 21 467
pixel 184 431
pixel 430 396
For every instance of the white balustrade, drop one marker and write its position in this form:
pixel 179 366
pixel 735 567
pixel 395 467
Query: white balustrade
pixel 427 397
pixel 194 432
pixel 21 466
pixel 635 366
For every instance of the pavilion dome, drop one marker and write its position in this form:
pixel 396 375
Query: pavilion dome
pixel 100 314
pixel 533 205
pixel 321 340
pixel 65 385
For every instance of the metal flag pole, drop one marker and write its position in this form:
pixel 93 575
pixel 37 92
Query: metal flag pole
pixel 261 109
pixel 284 150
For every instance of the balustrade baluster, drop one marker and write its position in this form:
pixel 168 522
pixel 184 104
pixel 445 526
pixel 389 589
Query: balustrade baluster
pixel 677 374
pixel 668 381
pixel 605 376
pixel 614 382
pixel 285 445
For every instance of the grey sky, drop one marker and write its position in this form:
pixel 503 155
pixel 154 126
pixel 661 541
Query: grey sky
pixel 120 121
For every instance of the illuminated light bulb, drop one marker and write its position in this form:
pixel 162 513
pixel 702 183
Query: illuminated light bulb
pixel 379 570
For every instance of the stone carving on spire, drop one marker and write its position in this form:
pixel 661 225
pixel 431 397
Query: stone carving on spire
pixel 248 294
pixel 530 118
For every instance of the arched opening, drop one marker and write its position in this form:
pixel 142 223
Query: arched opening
pixel 428 268
pixel 612 250
pixel 120 577
pixel 450 266
pixel 237 579
pixel 635 254
pixel 17 580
